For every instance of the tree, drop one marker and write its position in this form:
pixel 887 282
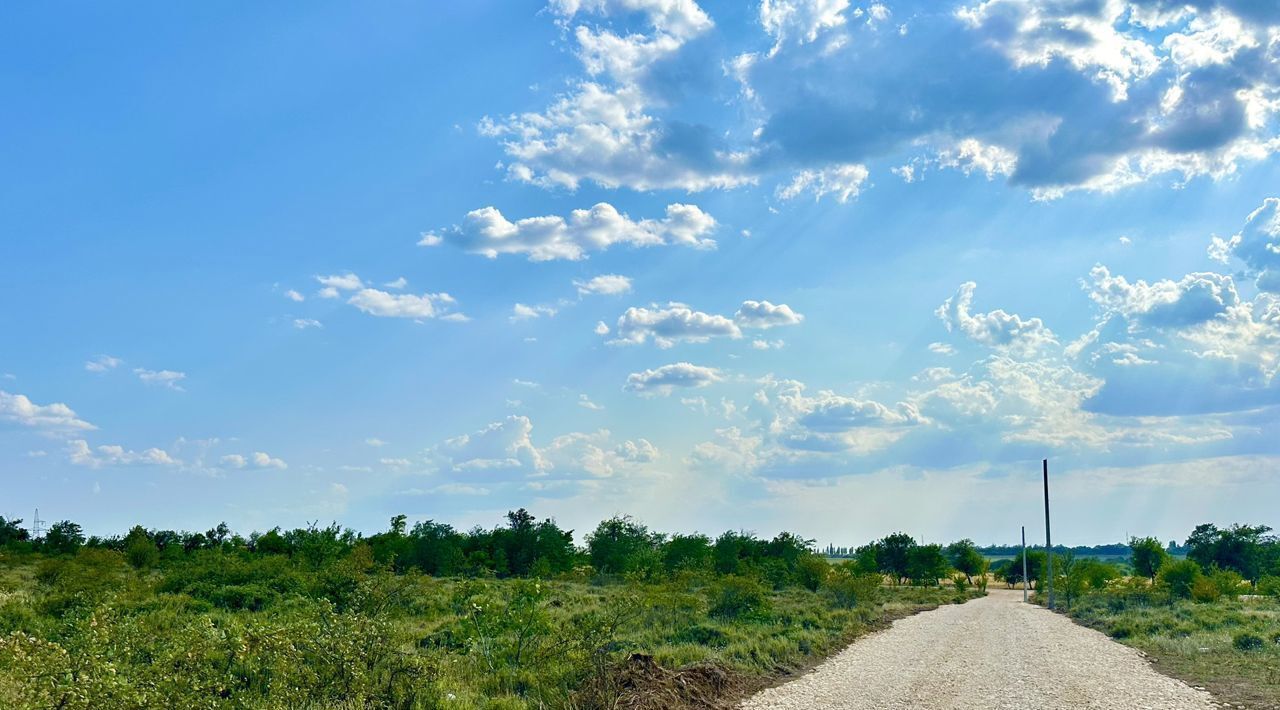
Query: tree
pixel 926 564
pixel 1180 577
pixel 11 531
pixel 622 544
pixel 893 556
pixel 1147 556
pixel 64 537
pixel 139 549
pixel 1035 564
pixel 1240 548
pixel 687 552
pixel 966 559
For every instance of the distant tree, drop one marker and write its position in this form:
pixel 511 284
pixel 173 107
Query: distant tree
pixel 1180 577
pixel 139 549
pixel 11 532
pixel 271 543
pixel 687 552
pixel 1240 548
pixel 1035 566
pixel 733 551
pixel 926 564
pixel 893 556
pixel 622 544
pixel 1147 556
pixel 866 559
pixel 63 537
pixel 966 559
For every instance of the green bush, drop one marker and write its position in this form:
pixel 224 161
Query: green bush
pixel 1178 577
pixel 1204 591
pixel 849 589
pixel 1269 586
pixel 1246 641
pixel 735 596
pixel 812 571
pixel 1227 581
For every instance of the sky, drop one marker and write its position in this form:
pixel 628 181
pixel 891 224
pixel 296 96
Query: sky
pixel 812 265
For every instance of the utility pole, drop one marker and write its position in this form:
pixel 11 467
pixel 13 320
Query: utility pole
pixel 1024 564
pixel 1048 541
pixel 37 526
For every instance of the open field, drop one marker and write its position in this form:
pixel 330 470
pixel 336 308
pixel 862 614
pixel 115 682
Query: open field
pixel 1231 647
pixel 89 631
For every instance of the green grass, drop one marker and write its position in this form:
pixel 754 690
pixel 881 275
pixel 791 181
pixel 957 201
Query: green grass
pixel 1197 642
pixel 92 632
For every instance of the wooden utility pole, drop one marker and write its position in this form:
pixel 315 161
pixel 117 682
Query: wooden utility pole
pixel 1048 540
pixel 1024 564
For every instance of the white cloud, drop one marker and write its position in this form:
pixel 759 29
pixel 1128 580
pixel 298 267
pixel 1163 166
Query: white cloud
pixel 294 296
pixel 585 402
pixel 102 363
pixel 994 328
pixel 941 349
pixel 56 417
pixel 1257 245
pixel 605 284
pixel 260 459
pixel 842 181
pixel 395 462
pixel 487 232
pixel 375 442
pixel 665 379
pixel 764 315
pixel 521 312
pixel 670 324
pixel 761 344
pixel 402 305
pixel 800 21
pixel 168 379
pixel 1194 299
pixel 397 284
pixel 601 328
pixel 304 323
pixel 111 455
pixel 638 451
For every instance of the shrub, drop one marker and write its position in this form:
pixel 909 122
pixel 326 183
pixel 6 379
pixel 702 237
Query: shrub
pixel 960 582
pixel 738 596
pixel 1179 577
pixel 1227 581
pixel 1203 590
pixel 1245 641
pixel 850 589
pixel 812 571
pixel 1269 586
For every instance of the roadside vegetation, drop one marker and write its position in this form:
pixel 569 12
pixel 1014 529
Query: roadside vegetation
pixel 1211 619
pixel 425 616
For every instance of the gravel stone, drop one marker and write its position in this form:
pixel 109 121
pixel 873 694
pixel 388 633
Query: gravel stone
pixel 994 652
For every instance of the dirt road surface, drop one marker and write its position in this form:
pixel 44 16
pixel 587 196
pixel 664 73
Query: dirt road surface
pixel 994 652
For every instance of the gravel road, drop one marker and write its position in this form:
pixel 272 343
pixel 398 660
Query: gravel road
pixel 994 652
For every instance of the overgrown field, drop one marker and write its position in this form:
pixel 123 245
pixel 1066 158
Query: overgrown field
pixel 240 628
pixel 1230 646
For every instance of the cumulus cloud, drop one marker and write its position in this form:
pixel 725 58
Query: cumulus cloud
pixel 994 328
pixel 1052 96
pixel 665 379
pixel 844 182
pixel 505 450
pixel 605 284
pixel 677 322
pixel 294 296
pixel 1257 245
pixel 257 459
pixel 487 232
pixel 1192 300
pixel 102 363
pixel 169 379
pixel 111 455
pixel 763 315
pixel 304 323
pixel 56 417
pixel 401 305
pixel 521 312
pixel 670 324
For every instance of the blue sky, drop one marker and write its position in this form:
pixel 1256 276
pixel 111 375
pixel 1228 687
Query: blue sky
pixel 814 265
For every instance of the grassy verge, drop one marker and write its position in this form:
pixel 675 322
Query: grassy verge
pixel 91 632
pixel 1230 647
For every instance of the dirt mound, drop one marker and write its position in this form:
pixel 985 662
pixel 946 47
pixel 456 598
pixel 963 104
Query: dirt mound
pixel 645 685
